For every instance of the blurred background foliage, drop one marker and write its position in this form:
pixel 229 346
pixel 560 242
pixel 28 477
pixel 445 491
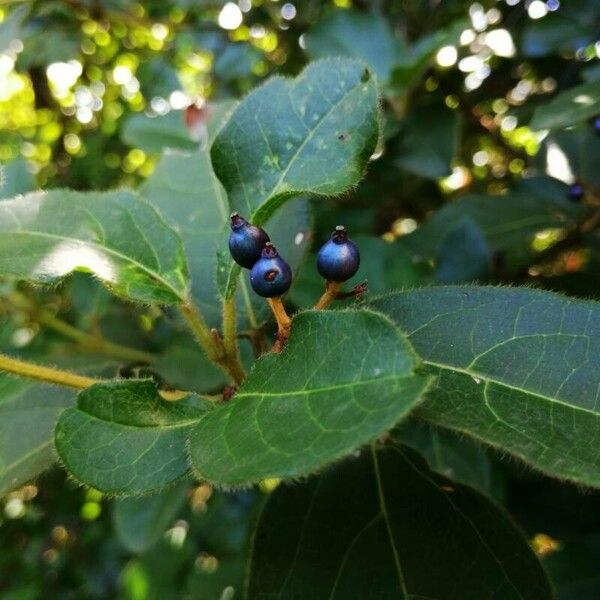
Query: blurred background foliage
pixel 464 186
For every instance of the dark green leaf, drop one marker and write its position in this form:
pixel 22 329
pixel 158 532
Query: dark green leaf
pixel 114 235
pixel 516 368
pixel 464 255
pixel 385 526
pixel 311 134
pixel 123 438
pixel 508 223
pixel 453 456
pixel 28 414
pixel 140 522
pixel 344 378
pixel 356 34
pixel 569 107
pixel 429 142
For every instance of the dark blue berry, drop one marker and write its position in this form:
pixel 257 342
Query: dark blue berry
pixel 246 241
pixel 270 276
pixel 338 259
pixel 597 124
pixel 576 192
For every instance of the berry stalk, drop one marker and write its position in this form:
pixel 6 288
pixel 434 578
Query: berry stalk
pixel 284 323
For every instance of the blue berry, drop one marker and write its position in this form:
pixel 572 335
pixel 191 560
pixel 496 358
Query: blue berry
pixel 246 241
pixel 597 124
pixel 576 192
pixel 270 276
pixel 338 259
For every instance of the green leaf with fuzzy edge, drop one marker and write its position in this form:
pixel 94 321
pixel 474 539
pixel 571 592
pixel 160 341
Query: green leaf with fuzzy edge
pixel 384 526
pixel 125 439
pixel 516 368
pixel 116 236
pixel 343 379
pixel 28 414
pixel 312 134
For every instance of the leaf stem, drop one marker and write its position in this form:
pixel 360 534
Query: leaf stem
pixel 46 374
pixel 284 323
pixel 95 343
pixel 210 341
pixel 232 353
pixel 332 289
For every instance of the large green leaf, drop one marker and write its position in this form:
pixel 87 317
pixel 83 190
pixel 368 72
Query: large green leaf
pixel 123 438
pixel 28 414
pixel 385 526
pixel 187 193
pixel 508 223
pixel 517 368
pixel 429 141
pixel 113 235
pixel 140 522
pixel 344 378
pixel 356 34
pixel 311 134
pixel 569 107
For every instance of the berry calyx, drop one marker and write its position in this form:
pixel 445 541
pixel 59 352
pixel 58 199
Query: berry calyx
pixel 576 192
pixel 339 258
pixel 246 241
pixel 270 276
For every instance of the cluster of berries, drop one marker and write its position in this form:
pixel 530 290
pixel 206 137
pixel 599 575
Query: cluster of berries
pixel 270 275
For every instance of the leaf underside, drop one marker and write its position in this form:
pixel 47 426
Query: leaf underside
pixel 385 526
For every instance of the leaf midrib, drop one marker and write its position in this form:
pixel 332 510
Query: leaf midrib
pixel 490 379
pixel 324 389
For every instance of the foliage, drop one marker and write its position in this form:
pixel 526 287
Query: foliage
pixel 166 433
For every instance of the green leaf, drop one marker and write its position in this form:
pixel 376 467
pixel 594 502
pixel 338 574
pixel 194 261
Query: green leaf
pixel 385 526
pixel 124 439
pixel 15 178
pixel 429 142
pixel 464 255
pixel 185 190
pixel 344 378
pixel 311 134
pixel 359 35
pixel 508 223
pixel 569 107
pixel 152 134
pixel 28 414
pixel 516 368
pixel 113 235
pixel 140 522
pixel 453 456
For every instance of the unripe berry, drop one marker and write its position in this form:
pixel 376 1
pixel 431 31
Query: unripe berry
pixel 338 259
pixel 270 276
pixel 576 192
pixel 246 241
